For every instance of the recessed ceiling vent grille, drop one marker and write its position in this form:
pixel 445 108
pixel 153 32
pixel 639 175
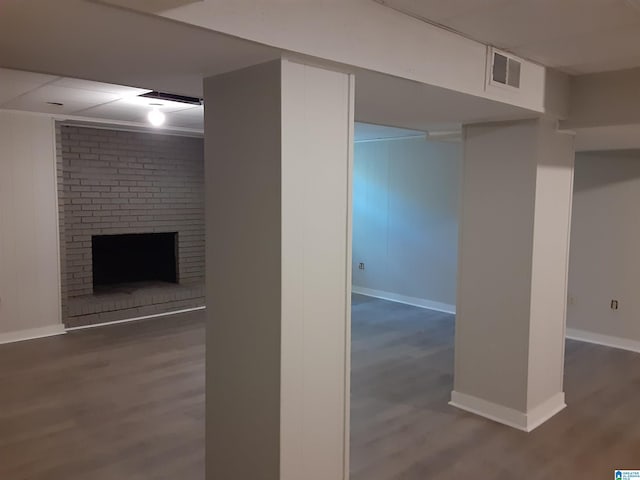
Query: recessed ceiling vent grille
pixel 505 70
pixel 171 97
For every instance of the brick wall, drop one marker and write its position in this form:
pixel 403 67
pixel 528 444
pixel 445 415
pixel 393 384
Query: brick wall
pixel 118 182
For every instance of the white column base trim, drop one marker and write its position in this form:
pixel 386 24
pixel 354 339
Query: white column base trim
pixel 135 319
pixel 413 301
pixel 526 422
pixel 606 340
pixel 32 333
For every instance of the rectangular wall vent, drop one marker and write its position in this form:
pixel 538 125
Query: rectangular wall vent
pixel 505 70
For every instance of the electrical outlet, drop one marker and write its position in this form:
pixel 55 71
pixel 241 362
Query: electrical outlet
pixel 614 304
pixel 361 266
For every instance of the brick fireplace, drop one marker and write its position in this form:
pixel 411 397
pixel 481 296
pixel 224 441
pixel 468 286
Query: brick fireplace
pixel 131 223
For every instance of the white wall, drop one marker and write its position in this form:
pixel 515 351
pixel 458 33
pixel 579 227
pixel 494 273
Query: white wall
pixel 405 219
pixel 29 265
pixel 605 247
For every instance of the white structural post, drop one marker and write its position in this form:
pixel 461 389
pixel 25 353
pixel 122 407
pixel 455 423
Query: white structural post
pixel 512 282
pixel 278 157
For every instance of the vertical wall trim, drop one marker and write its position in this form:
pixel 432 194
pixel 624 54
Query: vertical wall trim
pixel 56 189
pixel 348 281
pixel 566 282
pixel 461 232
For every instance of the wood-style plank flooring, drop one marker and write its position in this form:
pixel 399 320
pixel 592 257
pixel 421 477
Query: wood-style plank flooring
pixel 124 402
pixel 402 427
pixel 127 402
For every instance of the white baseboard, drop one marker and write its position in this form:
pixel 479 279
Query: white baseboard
pixel 543 412
pixel 606 340
pixel 526 422
pixel 413 301
pixel 32 333
pixel 135 319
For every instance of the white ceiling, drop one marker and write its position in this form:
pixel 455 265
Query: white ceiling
pixel 381 100
pixel 32 92
pixel 386 100
pixel 117 104
pixel 81 39
pixel 78 39
pixel 90 101
pixel 577 36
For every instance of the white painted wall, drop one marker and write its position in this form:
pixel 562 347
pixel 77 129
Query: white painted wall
pixel 29 262
pixel 278 257
pixel 405 219
pixel 605 254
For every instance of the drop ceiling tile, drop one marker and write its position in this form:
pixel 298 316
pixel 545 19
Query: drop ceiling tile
pixel 14 83
pixel 165 106
pixel 72 100
pixel 120 90
pixel 118 110
pixel 135 109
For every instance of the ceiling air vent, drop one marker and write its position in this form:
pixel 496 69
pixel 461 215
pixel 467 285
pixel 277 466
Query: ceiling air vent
pixel 171 97
pixel 505 70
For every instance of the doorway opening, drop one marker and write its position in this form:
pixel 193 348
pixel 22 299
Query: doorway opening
pixel 404 271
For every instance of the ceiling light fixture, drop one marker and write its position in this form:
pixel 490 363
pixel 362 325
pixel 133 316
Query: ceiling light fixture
pixel 156 117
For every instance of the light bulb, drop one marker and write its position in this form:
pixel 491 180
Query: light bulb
pixel 156 117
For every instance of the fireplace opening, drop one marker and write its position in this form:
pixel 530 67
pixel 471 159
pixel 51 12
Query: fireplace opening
pixel 134 258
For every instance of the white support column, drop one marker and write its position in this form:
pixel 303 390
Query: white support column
pixel 278 156
pixel 514 250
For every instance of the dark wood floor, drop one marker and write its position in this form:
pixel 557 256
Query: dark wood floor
pixel 127 403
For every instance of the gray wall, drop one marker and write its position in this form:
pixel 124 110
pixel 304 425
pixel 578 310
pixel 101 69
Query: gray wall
pixel 405 219
pixel 605 240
